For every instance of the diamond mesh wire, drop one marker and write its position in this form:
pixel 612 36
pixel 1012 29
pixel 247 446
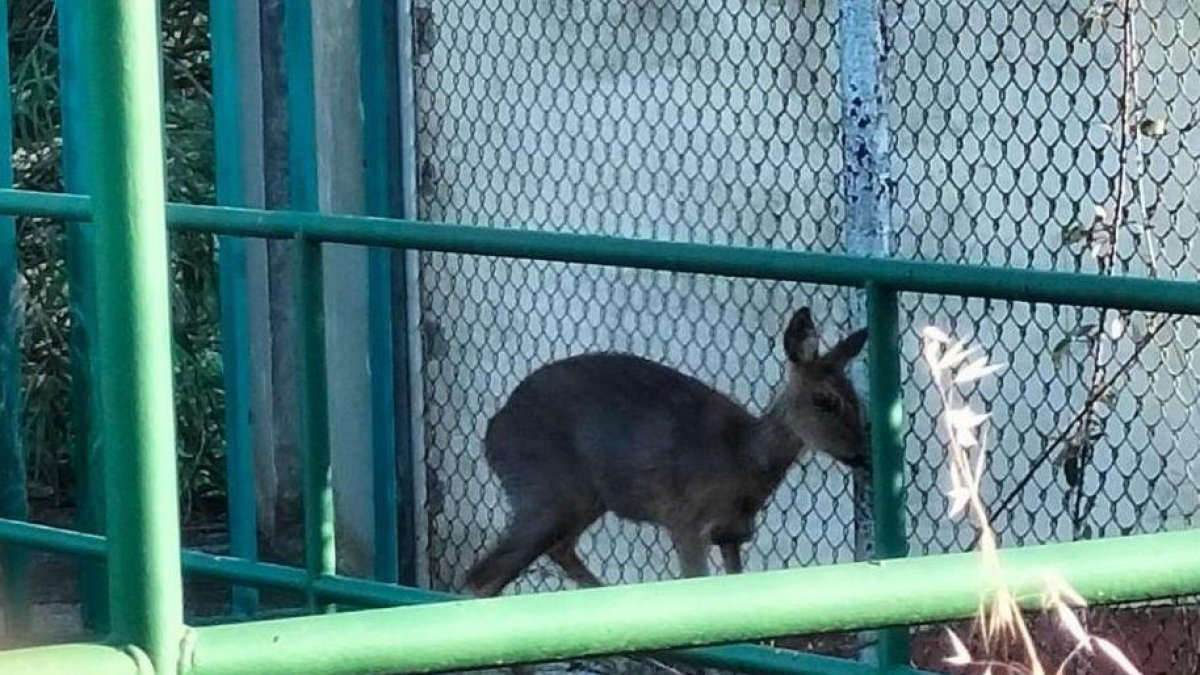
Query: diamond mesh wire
pixel 618 119
pixel 717 121
pixel 1057 136
pixel 1009 147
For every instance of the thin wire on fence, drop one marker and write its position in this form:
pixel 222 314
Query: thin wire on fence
pixel 1042 135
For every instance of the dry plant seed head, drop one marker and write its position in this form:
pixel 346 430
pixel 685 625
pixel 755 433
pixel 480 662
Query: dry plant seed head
pixel 964 428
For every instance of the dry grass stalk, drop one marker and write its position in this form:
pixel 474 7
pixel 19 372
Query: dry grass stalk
pixel 1000 621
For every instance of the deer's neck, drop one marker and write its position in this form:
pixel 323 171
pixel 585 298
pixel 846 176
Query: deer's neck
pixel 772 443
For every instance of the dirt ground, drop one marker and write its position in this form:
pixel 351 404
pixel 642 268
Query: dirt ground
pixel 1162 640
pixel 1157 640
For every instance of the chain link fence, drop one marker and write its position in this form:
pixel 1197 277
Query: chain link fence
pixel 622 120
pixel 1049 135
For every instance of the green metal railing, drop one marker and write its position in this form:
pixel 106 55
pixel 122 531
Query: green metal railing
pixel 231 258
pixel 894 275
pixel 133 348
pixel 86 448
pixel 1104 571
pixel 379 75
pixel 646 617
pixel 145 608
pixel 13 496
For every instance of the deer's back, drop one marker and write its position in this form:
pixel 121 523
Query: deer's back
pixel 618 432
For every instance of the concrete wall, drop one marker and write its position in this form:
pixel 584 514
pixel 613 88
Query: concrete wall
pixel 269 284
pixel 718 122
pixel 339 142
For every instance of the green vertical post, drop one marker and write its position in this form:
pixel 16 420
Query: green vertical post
pixel 888 481
pixel 13 498
pixel 377 22
pixel 235 336
pixel 86 450
pixel 134 338
pixel 406 301
pixel 319 523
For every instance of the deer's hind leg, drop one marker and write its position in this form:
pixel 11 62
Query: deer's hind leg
pixel 692 551
pixel 565 554
pixel 730 537
pixel 731 555
pixel 530 534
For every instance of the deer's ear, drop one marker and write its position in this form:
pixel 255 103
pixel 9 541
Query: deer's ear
pixel 847 349
pixel 800 338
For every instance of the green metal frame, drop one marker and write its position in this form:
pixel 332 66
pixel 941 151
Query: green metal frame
pixel 406 300
pixel 13 498
pixel 320 539
pixel 1111 570
pixel 389 422
pixel 552 626
pixel 888 483
pixel 646 617
pixel 86 449
pixel 133 352
pixel 681 620
pixel 235 338
pixel 901 276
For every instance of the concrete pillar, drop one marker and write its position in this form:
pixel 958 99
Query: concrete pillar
pixel 339 170
pixel 270 274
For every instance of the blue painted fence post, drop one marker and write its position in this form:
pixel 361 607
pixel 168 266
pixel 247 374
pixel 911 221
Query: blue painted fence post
pixel 867 231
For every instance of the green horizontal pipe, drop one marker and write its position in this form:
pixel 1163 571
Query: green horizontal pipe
pixel 53 539
pixel 93 659
pixel 355 592
pixel 361 593
pixel 758 659
pixel 689 612
pixel 249 572
pixel 763 660
pixel 262 575
pixel 1067 288
pixel 364 593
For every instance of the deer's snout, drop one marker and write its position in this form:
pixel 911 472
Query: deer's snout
pixel 862 461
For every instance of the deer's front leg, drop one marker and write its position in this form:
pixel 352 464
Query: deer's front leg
pixel 731 556
pixel 692 552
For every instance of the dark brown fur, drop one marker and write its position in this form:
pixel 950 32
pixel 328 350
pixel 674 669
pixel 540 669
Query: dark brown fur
pixel 613 432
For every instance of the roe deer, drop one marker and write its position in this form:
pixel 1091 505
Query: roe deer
pixel 604 432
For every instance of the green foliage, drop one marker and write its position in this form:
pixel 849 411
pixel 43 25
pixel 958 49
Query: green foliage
pixel 37 153
pixel 190 165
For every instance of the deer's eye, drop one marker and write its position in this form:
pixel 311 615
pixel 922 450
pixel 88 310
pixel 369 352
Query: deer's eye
pixel 827 404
